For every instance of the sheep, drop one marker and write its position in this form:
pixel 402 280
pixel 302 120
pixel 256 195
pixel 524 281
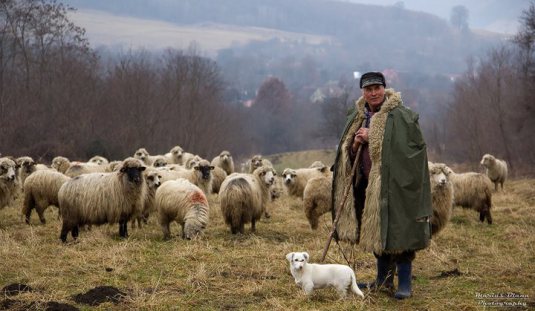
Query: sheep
pixel 191 162
pixel 199 175
pixel 153 181
pixel 177 155
pixel 26 166
pixel 8 181
pixel 61 164
pixel 224 161
pixel 496 170
pixel 243 198
pixel 79 168
pixel 218 176
pixel 181 201
pixel 317 198
pixel 100 198
pixel 40 191
pixel 99 160
pixel 143 155
pixel 472 190
pixel 160 161
pixel 441 196
pixel 295 180
pixel 257 161
pixel 317 164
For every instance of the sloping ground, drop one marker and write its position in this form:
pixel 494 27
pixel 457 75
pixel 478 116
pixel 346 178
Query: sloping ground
pixel 301 159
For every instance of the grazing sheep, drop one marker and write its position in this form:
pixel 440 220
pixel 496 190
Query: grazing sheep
pixel 153 181
pixel 256 162
pixel 218 176
pixel 179 156
pixel 61 164
pixel 40 191
pixel 243 198
pixel 100 198
pixel 8 181
pixel 99 160
pixel 295 180
pixel 472 190
pixel 496 170
pixel 317 198
pixel 442 196
pixel 224 161
pixel 181 201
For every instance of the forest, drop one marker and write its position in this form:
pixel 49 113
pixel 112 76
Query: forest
pixel 61 96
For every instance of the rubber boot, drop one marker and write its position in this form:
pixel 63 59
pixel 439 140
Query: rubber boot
pixel 385 274
pixel 404 280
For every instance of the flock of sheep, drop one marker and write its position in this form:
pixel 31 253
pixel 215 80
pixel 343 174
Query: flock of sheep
pixel 175 186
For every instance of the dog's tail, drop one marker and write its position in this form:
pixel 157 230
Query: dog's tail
pixel 354 287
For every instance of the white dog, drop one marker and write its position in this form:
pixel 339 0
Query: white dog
pixel 310 276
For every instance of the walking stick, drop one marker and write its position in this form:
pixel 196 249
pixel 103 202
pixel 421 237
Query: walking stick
pixel 339 209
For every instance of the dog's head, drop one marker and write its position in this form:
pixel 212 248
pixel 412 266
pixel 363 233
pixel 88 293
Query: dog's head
pixel 297 260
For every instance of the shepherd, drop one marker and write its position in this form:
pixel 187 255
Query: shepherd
pixel 389 210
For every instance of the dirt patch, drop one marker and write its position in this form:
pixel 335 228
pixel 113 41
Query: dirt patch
pixel 15 289
pixel 13 305
pixel 58 306
pixel 446 274
pixel 99 295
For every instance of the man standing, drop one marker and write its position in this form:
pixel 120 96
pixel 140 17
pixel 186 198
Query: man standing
pixel 389 211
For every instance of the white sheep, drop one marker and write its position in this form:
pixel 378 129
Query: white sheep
pixel 224 160
pixel 317 164
pixel 472 190
pixel 143 155
pixel 79 168
pixel 153 181
pixel 8 181
pixel 218 176
pixel 317 198
pixel 26 166
pixel 181 201
pixel 295 180
pixel 200 175
pixel 99 198
pixel 441 196
pixel 40 191
pixel 160 161
pixel 257 161
pixel 243 198
pixel 496 170
pixel 177 155
pixel 61 164
pixel 99 160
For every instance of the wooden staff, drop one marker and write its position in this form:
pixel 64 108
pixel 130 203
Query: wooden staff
pixel 349 185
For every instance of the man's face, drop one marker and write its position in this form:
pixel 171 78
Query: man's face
pixel 374 95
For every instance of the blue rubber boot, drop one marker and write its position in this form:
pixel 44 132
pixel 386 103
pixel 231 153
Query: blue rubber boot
pixel 385 274
pixel 404 280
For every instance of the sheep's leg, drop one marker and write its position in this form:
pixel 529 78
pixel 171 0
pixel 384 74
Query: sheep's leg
pixel 482 216
pixel 166 231
pixel 64 231
pixel 28 215
pixel 74 232
pixel 123 228
pixel 253 225
pixel 489 217
pixel 40 212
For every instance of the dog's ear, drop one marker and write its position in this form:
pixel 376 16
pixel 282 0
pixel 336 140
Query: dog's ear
pixel 290 257
pixel 305 254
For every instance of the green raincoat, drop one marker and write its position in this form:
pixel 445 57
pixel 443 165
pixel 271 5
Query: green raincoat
pixel 398 196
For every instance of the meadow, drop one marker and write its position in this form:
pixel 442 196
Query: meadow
pixel 468 266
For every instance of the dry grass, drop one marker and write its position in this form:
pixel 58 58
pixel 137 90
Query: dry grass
pixel 249 272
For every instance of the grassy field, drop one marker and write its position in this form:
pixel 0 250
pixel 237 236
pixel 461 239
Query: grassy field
pixel 468 265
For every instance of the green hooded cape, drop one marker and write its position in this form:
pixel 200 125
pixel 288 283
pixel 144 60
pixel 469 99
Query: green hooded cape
pixel 398 196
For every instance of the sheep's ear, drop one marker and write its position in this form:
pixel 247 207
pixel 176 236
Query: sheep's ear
pixel 323 169
pixel 212 167
pixel 142 168
pixel 196 168
pixel 305 254
pixel 123 169
pixel 289 257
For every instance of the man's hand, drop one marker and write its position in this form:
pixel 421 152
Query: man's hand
pixel 360 137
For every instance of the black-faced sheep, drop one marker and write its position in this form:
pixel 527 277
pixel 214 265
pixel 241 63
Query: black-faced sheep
pixel 295 180
pixel 100 198
pixel 8 181
pixel 40 191
pixel 177 155
pixel 153 181
pixel 243 198
pixel 472 190
pixel 257 161
pixel 317 198
pixel 496 170
pixel 442 196
pixel 224 160
pixel 181 201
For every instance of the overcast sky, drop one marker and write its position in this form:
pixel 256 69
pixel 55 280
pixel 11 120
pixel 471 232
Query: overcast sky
pixel 493 15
